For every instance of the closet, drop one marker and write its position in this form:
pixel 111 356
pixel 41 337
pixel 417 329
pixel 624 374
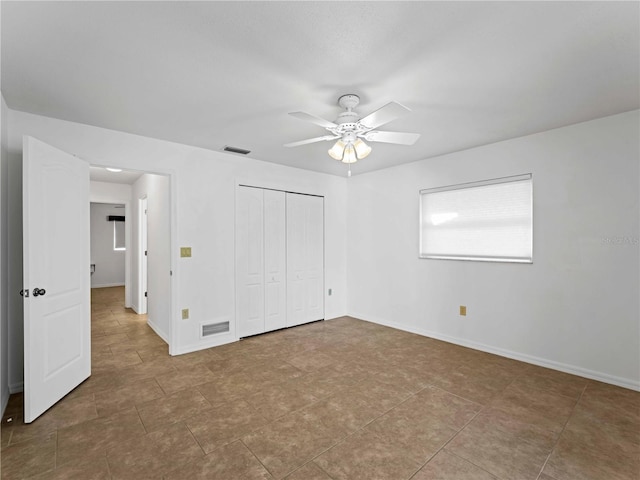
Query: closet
pixel 279 259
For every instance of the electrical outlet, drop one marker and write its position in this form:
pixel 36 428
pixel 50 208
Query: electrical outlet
pixel 185 251
pixel 185 313
pixel 463 310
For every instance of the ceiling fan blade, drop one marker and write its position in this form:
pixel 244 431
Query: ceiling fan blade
pixel 313 119
pixel 401 138
pixel 385 114
pixel 311 140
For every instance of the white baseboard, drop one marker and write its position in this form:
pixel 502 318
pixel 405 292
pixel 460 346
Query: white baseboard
pixel 107 285
pixel 158 331
pixel 214 341
pixel 16 387
pixel 135 308
pixel 541 362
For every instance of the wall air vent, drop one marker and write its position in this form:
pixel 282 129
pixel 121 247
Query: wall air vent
pixel 215 328
pixel 241 151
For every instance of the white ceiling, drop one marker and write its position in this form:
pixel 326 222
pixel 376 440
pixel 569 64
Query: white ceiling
pixel 212 74
pixel 100 174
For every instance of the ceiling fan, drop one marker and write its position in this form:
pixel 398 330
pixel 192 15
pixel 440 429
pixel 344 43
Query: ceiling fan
pixel 349 130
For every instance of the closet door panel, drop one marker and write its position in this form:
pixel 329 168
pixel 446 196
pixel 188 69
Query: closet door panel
pixel 250 261
pixel 315 257
pixel 305 258
pixel 296 264
pixel 275 260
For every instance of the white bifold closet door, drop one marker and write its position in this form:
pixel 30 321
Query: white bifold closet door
pixel 305 258
pixel 250 261
pixel 275 251
pixel 279 260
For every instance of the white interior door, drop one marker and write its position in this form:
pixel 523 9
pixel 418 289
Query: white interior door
pixel 57 323
pixel 275 250
pixel 250 261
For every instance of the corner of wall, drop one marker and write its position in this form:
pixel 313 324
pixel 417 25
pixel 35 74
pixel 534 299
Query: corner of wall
pixel 4 254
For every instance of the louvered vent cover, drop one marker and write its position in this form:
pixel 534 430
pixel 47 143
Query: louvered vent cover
pixel 214 328
pixel 239 150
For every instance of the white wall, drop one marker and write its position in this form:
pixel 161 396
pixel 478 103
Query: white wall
pixel 14 264
pixel 575 308
pixel 109 263
pixel 202 190
pixel 156 189
pixel 4 270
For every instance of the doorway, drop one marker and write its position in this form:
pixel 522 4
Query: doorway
pixel 58 190
pixel 147 230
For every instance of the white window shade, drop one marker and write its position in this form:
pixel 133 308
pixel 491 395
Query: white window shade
pixel 118 236
pixel 487 221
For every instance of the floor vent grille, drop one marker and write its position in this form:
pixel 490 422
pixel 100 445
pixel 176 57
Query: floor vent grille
pixel 215 328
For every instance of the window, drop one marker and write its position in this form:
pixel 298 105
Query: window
pixel 490 220
pixel 118 235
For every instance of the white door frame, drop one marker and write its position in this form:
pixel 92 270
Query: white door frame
pixel 142 257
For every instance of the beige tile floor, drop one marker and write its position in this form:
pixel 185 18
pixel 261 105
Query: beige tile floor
pixel 341 399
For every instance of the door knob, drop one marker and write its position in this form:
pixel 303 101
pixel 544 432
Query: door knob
pixel 39 291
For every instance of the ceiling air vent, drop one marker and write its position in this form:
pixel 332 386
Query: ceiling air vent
pixel 241 151
pixel 215 328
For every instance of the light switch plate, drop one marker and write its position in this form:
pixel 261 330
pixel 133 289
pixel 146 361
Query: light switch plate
pixel 185 251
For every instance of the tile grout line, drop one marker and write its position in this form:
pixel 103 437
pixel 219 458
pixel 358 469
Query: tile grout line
pixel 447 443
pixel 343 439
pixel 146 432
pixel 346 437
pixel 482 409
pixel 584 389
pixel 254 456
pixel 204 454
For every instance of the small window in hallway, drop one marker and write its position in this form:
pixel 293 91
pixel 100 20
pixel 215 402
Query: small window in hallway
pixel 118 236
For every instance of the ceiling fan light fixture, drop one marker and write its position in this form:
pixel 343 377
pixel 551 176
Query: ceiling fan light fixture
pixel 362 149
pixel 337 151
pixel 349 154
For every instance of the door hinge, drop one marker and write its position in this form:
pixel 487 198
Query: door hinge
pixel 24 293
pixel 145 294
pixel 145 252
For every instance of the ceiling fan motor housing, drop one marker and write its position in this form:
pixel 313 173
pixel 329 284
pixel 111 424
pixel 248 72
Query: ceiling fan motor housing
pixel 349 101
pixel 347 122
